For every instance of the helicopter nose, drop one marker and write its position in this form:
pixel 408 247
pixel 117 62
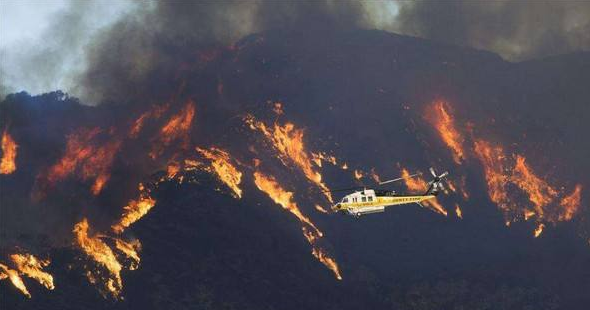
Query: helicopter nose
pixel 336 207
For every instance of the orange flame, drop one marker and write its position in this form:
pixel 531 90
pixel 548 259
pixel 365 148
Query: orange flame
pixel 155 112
pixel 103 255
pixel 177 128
pixel 539 230
pixel 570 204
pixel 417 184
pixel 440 116
pixel 288 141
pixel 225 170
pixel 320 208
pixel 134 210
pixel 130 250
pixel 543 197
pixel 15 279
pixel 32 267
pixel 539 192
pixel 8 162
pixel 82 156
pixel 358 174
pixel 320 254
pixel 492 159
pixel 273 189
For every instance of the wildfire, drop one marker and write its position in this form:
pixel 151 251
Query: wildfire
pixel 9 147
pixel 358 174
pixel 492 159
pixel 82 157
pixel 288 141
pixel 103 255
pixel 15 279
pixel 321 209
pixel 417 184
pixel 440 116
pixel 134 210
pixel 177 128
pixel 224 169
pixel 375 176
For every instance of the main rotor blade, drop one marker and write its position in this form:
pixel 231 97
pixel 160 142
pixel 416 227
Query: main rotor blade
pixel 444 174
pixel 399 179
pixel 432 172
pixel 343 189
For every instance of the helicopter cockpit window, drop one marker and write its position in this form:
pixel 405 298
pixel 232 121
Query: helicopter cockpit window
pixel 345 200
pixel 364 199
pixel 370 198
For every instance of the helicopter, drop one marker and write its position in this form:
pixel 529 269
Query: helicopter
pixel 368 201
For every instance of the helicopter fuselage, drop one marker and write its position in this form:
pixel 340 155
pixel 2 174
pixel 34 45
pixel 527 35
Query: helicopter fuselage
pixel 368 201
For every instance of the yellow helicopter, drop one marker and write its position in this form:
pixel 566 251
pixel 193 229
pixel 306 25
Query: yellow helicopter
pixel 368 201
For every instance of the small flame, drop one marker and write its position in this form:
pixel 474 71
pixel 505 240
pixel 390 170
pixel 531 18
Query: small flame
pixel 458 211
pixel 273 189
pixel 358 174
pixel 32 267
pixel 570 204
pixel 155 112
pixel 375 176
pixel 439 114
pixel 130 250
pixel 134 210
pixel 177 128
pixel 98 251
pixel 15 279
pixel 224 169
pixel 321 209
pixel 9 147
pixel 539 230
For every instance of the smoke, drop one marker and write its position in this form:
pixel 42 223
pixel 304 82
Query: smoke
pixel 517 30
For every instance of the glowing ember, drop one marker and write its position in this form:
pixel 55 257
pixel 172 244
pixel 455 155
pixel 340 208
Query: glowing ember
pixel 440 116
pixel 8 162
pixel 458 211
pixel 358 174
pixel 224 169
pixel 134 210
pixel 288 141
pixel 273 189
pixel 15 279
pixel 101 253
pixel 177 128
pixel 32 267
pixel 539 230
